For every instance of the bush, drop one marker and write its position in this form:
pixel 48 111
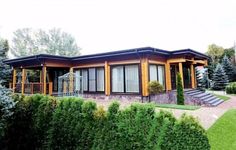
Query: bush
pixel 42 122
pixel 154 87
pixel 231 88
pixel 180 91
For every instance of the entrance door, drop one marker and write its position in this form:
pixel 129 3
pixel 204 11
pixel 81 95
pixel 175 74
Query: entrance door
pixel 173 71
pixel 187 76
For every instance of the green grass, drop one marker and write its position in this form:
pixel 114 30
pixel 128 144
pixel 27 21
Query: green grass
pixel 222 135
pixel 223 97
pixel 175 106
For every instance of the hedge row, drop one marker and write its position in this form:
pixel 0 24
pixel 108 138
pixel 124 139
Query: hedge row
pixel 231 88
pixel 42 122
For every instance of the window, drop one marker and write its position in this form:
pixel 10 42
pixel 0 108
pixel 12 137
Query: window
pixel 100 79
pixel 118 79
pixel 93 79
pixel 131 78
pixel 157 72
pixel 125 79
pixel 85 79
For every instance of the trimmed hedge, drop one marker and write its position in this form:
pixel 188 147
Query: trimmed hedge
pixel 231 88
pixel 42 122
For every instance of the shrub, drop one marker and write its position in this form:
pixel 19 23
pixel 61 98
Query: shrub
pixel 231 88
pixel 180 91
pixel 154 87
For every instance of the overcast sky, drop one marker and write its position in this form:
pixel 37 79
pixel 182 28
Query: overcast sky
pixel 107 25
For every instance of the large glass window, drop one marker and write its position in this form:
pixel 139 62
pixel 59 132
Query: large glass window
pixel 131 78
pixel 125 79
pixel 93 79
pixel 157 72
pixel 118 79
pixel 100 79
pixel 85 79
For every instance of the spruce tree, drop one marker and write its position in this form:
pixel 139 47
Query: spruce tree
pixel 220 79
pixel 180 91
pixel 5 70
pixel 205 81
pixel 199 79
pixel 228 68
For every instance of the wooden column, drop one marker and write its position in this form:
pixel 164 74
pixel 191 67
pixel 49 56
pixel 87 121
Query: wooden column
pixel 107 79
pixel 71 84
pixel 181 72
pixel 43 79
pixel 192 75
pixel 40 80
pixel 168 76
pixel 14 80
pixel 23 81
pixel 144 75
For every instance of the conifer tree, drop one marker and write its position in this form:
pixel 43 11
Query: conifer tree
pixel 180 91
pixel 199 79
pixel 220 79
pixel 228 68
pixel 205 81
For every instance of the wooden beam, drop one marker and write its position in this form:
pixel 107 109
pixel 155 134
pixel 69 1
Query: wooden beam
pixel 156 62
pixel 144 73
pixel 135 61
pixel 90 65
pixel 181 73
pixel 176 60
pixel 168 76
pixel 23 82
pixel 192 75
pixel 14 80
pixel 44 77
pixel 107 79
pixel 71 84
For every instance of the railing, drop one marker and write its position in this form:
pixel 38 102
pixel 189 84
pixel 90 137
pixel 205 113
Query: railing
pixel 32 88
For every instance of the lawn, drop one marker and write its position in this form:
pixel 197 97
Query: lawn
pixel 223 97
pixel 174 106
pixel 222 135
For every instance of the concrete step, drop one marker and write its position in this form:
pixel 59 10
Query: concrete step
pixel 217 103
pixel 191 91
pixel 195 93
pixel 208 99
pixel 213 101
pixel 203 95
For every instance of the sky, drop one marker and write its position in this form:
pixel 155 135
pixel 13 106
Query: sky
pixel 108 25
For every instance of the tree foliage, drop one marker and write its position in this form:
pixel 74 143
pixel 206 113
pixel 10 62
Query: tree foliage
pixel 5 70
pixel 180 90
pixel 27 42
pixel 220 79
pixel 154 87
pixel 6 106
pixel 215 52
pixel 228 68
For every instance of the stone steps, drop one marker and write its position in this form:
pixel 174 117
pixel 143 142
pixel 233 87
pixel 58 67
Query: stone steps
pixel 205 98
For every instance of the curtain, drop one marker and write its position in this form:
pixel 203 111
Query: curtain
pixel 100 79
pixel 118 79
pixel 161 75
pixel 153 72
pixel 92 80
pixel 85 79
pixel 131 78
pixel 77 80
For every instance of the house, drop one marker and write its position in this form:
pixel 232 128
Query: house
pixel 125 72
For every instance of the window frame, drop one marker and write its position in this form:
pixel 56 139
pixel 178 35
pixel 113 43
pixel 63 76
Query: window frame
pixel 87 69
pixel 157 73
pixel 124 79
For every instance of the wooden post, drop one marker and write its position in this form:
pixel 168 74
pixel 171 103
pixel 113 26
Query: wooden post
pixel 168 76
pixel 107 79
pixel 192 76
pixel 40 80
pixel 50 88
pixel 181 73
pixel 44 77
pixel 14 80
pixel 71 84
pixel 144 73
pixel 23 81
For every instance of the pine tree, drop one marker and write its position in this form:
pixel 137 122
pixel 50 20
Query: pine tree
pixel 220 79
pixel 199 79
pixel 180 91
pixel 5 70
pixel 205 81
pixel 228 68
